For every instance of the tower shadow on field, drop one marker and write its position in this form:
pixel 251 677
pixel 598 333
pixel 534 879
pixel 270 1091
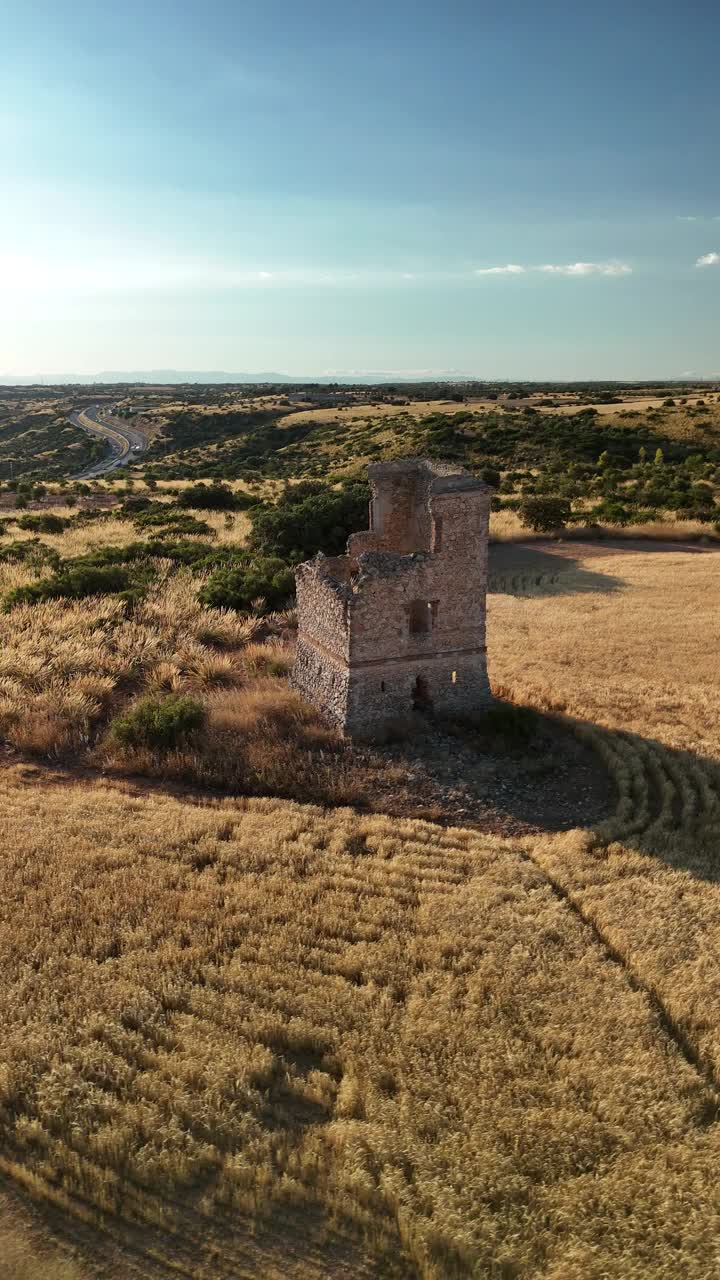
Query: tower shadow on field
pixel 519 570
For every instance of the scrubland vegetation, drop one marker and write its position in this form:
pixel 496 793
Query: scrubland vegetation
pixel 555 459
pixel 248 1035
pixel 36 440
pixel 555 468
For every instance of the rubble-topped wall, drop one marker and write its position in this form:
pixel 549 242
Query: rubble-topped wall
pixel 323 594
pixel 399 623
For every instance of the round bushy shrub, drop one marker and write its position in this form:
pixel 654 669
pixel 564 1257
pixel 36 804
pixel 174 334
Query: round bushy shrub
pixel 545 514
pixel 237 586
pixel 43 522
pixel 214 497
pixel 159 723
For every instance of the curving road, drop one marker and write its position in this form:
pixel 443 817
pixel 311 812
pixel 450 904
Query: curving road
pixel 126 444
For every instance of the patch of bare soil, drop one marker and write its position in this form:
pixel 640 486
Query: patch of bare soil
pixel 552 782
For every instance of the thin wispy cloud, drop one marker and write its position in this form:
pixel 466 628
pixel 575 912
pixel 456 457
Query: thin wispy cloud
pixel 559 269
pixel 708 260
pixel 587 269
pixel 31 275
pixel 511 269
pixel 26 275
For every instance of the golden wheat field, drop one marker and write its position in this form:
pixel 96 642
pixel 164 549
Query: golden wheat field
pixel 249 1037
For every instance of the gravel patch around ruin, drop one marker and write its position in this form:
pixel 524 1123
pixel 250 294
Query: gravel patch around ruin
pixel 552 783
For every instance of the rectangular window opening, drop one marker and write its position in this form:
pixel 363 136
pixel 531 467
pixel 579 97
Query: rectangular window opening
pixel 419 619
pixel 437 533
pixel 454 677
pixel 382 686
pixel 422 616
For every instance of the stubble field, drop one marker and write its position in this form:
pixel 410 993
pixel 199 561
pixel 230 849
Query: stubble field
pixel 251 1037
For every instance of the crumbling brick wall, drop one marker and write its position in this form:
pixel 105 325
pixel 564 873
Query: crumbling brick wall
pixel 399 623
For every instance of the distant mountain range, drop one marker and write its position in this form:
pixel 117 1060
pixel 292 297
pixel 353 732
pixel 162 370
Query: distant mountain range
pixel 173 377
pixel 344 377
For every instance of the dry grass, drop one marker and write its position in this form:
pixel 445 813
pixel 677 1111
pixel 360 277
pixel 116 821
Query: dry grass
pixel 67 668
pixel 639 669
pixel 23 1256
pixel 642 658
pixel 668 529
pixel 258 739
pixel 255 1037
pixel 79 538
pixel 65 665
pixel 384 1045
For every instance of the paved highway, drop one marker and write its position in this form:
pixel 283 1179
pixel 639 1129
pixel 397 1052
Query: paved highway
pixel 126 444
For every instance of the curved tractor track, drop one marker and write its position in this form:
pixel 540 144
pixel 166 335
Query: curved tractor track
pixel 666 824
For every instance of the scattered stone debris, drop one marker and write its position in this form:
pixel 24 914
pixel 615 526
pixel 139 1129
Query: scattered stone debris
pixel 553 783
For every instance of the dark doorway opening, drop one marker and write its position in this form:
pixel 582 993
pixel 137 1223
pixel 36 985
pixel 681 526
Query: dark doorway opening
pixel 421 695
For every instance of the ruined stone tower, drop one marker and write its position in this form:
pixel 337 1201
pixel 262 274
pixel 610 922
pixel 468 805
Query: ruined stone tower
pixel 399 622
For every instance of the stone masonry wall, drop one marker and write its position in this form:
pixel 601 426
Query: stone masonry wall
pixel 390 628
pixel 321 669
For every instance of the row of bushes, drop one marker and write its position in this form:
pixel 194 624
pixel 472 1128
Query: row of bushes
pixel 550 513
pixel 308 518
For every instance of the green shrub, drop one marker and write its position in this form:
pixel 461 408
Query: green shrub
pixel 77 579
pixel 160 723
pixel 706 515
pixel 611 512
pixel 32 552
pixel 320 521
pixel 160 516
pixel 44 522
pixel 214 497
pixel 132 505
pixel 185 526
pixel 545 514
pixel 236 586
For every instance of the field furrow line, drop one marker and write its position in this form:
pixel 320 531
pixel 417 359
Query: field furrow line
pixel 668 1024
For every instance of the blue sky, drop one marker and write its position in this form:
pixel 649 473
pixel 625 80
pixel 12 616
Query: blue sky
pixel 316 187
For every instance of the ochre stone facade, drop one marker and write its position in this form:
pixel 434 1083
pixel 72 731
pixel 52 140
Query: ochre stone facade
pixel 399 622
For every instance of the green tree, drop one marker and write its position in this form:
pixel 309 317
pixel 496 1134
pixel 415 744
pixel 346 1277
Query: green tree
pixel 546 514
